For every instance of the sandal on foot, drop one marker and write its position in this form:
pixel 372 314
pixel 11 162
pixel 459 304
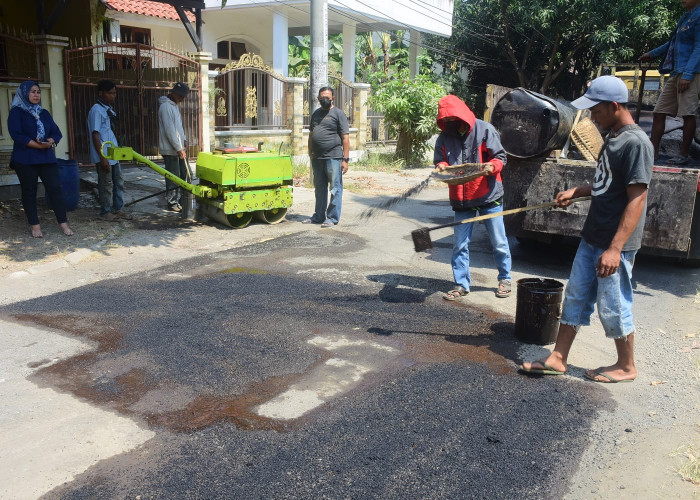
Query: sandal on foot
pixel 504 289
pixel 456 293
pixel 610 379
pixel 545 370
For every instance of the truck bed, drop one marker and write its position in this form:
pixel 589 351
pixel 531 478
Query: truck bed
pixel 672 225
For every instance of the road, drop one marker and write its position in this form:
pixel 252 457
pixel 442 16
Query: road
pixel 293 362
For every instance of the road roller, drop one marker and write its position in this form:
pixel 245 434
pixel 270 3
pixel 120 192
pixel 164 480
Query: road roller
pixel 233 188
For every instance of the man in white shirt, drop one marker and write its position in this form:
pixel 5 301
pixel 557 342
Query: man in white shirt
pixel 172 142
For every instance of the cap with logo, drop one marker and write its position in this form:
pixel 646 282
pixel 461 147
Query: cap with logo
pixel 603 89
pixel 181 89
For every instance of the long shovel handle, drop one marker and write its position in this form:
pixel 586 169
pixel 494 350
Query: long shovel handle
pixel 506 212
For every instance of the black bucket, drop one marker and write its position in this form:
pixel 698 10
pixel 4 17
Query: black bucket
pixel 538 310
pixel 531 124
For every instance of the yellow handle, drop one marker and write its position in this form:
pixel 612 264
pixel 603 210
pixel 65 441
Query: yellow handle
pixel 109 145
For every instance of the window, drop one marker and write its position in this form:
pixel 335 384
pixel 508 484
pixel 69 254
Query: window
pixel 130 34
pixel 230 50
pixel 115 62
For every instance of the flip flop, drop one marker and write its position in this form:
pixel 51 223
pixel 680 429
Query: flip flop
pixel 547 370
pixel 611 379
pixel 456 293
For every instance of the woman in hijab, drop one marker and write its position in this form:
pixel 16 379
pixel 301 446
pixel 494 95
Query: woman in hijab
pixel 35 136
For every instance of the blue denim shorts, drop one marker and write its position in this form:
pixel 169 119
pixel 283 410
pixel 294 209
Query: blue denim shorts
pixel 613 294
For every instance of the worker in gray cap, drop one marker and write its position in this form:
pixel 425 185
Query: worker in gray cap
pixel 172 142
pixel 602 270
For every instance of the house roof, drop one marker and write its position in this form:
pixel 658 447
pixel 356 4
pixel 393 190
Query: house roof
pixel 146 8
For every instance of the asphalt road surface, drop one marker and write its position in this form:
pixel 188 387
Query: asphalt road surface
pixel 316 364
pixel 192 350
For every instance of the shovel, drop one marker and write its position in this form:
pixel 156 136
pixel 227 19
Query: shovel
pixel 421 237
pixel 473 173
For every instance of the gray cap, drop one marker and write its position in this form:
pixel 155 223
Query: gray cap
pixel 180 89
pixel 603 89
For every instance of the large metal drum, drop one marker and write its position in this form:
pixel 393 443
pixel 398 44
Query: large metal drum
pixel 531 124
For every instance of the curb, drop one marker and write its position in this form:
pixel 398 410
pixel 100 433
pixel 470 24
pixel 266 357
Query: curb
pixel 71 259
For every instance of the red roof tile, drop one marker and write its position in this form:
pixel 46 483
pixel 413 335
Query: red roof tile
pixel 146 8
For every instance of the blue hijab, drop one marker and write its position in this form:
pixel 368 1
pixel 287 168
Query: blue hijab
pixel 21 100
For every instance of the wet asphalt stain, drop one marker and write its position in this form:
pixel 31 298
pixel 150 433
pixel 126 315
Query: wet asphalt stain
pixel 448 418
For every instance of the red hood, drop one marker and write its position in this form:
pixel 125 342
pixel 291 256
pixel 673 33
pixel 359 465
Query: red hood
pixel 451 105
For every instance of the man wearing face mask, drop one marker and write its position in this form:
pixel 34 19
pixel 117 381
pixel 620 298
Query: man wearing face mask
pixel 329 148
pixel 465 139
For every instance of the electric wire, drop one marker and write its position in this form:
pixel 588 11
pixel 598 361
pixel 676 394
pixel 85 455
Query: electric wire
pixel 472 60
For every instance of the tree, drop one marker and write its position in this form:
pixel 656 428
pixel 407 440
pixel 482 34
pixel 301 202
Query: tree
pixel 535 43
pixel 299 55
pixel 378 48
pixel 411 107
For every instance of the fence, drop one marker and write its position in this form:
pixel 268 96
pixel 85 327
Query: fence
pixel 378 131
pixel 20 59
pixel 143 74
pixel 250 95
pixel 343 93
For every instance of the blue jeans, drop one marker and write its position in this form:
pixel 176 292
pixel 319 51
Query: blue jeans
pixel 110 188
pixel 613 294
pixel 176 166
pixel 327 172
pixel 463 234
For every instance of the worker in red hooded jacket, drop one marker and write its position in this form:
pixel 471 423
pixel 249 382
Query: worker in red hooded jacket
pixel 465 139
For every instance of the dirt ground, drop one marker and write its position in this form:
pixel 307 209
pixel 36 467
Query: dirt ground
pixel 19 251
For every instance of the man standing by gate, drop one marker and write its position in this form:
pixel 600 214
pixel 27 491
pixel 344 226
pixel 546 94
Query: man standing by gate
pixel 102 122
pixel 171 141
pixel 329 148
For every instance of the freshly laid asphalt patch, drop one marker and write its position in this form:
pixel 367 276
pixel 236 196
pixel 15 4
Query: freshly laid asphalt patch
pixel 195 350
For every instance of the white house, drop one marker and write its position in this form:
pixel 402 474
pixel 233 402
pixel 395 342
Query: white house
pixel 263 27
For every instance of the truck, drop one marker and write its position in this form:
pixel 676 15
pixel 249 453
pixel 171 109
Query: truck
pixel 672 227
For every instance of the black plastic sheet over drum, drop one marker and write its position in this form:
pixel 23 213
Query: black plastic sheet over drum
pixel 531 124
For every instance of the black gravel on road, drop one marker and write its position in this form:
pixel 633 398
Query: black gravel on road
pixel 188 350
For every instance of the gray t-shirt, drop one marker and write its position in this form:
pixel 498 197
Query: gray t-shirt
pixel 328 128
pixel 627 158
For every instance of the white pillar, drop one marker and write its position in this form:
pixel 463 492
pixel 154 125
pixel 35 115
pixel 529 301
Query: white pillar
pixel 206 109
pixel 280 44
pixel 413 48
pixel 349 35
pixel 52 48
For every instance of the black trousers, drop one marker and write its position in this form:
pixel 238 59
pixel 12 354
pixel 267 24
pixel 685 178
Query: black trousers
pixel 29 176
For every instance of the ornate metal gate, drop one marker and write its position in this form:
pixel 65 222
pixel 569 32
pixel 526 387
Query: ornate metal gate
pixel 250 95
pixel 142 74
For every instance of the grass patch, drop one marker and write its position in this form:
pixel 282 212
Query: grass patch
pixel 690 470
pixel 378 162
pixel 300 173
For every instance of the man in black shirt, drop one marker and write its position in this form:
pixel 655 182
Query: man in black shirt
pixel 602 270
pixel 329 148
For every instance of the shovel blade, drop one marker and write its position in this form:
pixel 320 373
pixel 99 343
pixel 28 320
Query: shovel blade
pixel 421 239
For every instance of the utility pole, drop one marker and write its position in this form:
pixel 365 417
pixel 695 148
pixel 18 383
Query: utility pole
pixel 319 50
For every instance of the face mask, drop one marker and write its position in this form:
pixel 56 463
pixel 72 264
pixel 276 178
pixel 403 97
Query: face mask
pixel 453 127
pixel 325 102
